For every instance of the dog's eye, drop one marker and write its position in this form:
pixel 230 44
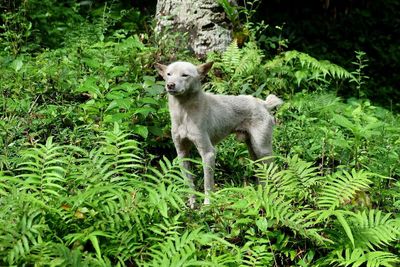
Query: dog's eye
pixel 169 74
pixel 185 75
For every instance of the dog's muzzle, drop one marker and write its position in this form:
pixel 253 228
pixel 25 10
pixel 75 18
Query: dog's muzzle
pixel 171 86
pixel 171 89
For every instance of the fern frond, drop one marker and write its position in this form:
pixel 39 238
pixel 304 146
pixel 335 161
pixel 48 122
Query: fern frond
pixel 270 174
pixel 299 179
pixel 231 57
pixel 177 251
pixel 22 228
pixel 167 228
pixel 342 187
pixel 250 61
pixel 42 170
pixel 292 69
pixel 322 67
pixel 168 186
pixel 186 249
pixel 373 229
pixel 307 177
pixel 7 183
pixel 267 202
pixel 358 257
pixel 116 160
pixel 257 253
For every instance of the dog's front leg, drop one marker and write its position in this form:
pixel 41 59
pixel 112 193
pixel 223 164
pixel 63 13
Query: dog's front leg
pixel 207 153
pixel 183 150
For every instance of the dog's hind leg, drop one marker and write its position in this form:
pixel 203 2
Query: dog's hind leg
pixel 261 143
pixel 244 136
pixel 261 138
pixel 252 154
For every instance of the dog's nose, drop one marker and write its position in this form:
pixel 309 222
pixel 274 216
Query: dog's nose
pixel 171 86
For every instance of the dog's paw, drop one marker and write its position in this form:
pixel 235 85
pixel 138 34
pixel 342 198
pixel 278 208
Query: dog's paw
pixel 192 202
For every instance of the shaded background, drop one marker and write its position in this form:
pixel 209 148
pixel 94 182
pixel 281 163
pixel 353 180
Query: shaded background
pixel 333 30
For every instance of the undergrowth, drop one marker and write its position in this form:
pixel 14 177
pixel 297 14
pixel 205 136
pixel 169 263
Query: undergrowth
pixel 88 175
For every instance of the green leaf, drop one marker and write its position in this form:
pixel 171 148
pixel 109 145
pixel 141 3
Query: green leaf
pixel 141 130
pixel 17 64
pixel 90 86
pixel 118 70
pixel 150 100
pixel 155 89
pixel 343 121
pixel 95 244
pixel 300 76
pixel 120 104
pixel 145 111
pixel 117 117
pixel 345 226
pixel 262 224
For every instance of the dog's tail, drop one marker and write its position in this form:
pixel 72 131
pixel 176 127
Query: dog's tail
pixel 273 101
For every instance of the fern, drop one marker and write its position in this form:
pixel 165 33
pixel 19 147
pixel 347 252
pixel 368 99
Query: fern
pixel 64 256
pixel 42 170
pixel 320 68
pixel 301 69
pixel 168 227
pixel 182 250
pixel 166 187
pixel 267 202
pixel 270 174
pixel 342 188
pixel 373 229
pixel 231 57
pixel 242 67
pixel 247 73
pixel 299 179
pixel 176 251
pixel 256 253
pixel 358 257
pixel 118 157
pixel 250 61
pixel 7 183
pixel 23 227
pixel 124 208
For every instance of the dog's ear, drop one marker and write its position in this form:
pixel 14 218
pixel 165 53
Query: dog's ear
pixel 161 69
pixel 203 69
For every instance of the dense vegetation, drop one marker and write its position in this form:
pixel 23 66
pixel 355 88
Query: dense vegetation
pixel 333 30
pixel 87 169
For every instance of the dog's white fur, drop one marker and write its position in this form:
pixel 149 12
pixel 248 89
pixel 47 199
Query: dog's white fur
pixel 204 119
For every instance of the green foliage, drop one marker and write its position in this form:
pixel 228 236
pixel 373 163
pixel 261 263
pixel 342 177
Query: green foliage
pixel 86 176
pixel 42 171
pixel 295 70
pixel 358 74
pixel 27 25
pixel 333 30
pixel 95 86
pixel 81 199
pixel 245 71
pixel 342 188
pixel 241 68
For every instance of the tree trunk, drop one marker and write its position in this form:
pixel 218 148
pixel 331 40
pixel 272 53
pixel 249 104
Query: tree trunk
pixel 204 21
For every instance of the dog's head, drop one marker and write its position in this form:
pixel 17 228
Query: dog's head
pixel 182 77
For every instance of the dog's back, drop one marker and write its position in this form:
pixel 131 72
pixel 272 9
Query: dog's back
pixel 227 114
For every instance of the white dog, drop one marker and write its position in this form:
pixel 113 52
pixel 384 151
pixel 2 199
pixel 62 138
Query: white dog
pixel 204 119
